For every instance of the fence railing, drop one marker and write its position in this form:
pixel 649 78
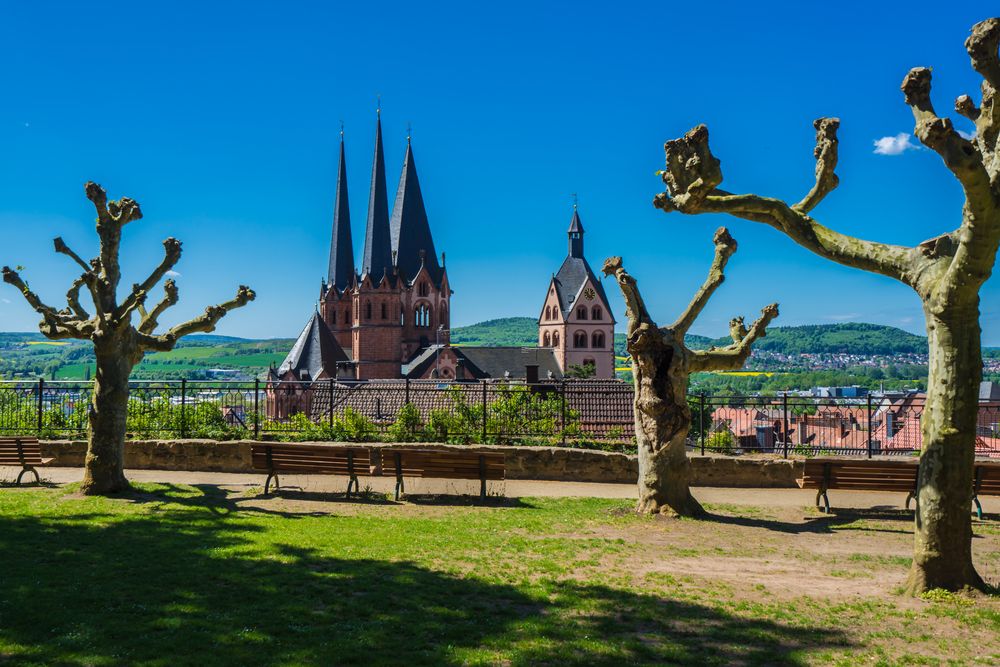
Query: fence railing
pixel 580 413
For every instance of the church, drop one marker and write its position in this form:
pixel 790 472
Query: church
pixel 388 316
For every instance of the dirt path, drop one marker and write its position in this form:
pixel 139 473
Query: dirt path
pixel 776 498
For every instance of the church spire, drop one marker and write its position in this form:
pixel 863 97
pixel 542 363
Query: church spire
pixel 377 257
pixel 575 233
pixel 341 271
pixel 411 233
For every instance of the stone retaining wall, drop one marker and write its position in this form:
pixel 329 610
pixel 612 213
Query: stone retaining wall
pixel 554 463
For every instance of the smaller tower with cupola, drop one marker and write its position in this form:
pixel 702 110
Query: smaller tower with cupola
pixel 576 319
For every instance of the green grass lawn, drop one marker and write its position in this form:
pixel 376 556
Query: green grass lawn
pixel 178 575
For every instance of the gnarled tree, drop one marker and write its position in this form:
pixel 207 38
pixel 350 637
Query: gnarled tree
pixel 946 272
pixel 661 365
pixel 118 345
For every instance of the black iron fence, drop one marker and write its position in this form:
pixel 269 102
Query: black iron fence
pixel 580 413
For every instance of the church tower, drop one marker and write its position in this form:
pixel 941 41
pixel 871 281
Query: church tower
pixel 336 299
pixel 576 319
pixel 376 312
pixel 426 296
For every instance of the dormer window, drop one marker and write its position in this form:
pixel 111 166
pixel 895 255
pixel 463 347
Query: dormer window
pixel 581 313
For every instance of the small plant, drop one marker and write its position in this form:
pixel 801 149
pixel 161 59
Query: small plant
pixel 722 441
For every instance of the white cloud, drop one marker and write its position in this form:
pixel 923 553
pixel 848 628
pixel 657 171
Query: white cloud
pixel 969 136
pixel 896 145
pixel 5 300
pixel 172 274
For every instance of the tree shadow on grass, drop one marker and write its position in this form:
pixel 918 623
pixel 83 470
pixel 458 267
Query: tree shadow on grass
pixel 827 523
pixel 182 585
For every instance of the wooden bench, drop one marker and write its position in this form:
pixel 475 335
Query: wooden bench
pixel 985 482
pixel 301 459
pixel 24 452
pixel 443 464
pixel 885 475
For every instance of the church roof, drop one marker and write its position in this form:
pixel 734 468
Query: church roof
pixel 341 272
pixel 490 362
pixel 315 351
pixel 575 225
pixel 378 249
pixel 573 273
pixel 411 232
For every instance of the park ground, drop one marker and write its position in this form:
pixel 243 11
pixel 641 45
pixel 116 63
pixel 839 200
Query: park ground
pixel 199 568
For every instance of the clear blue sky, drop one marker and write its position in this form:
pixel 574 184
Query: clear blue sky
pixel 221 119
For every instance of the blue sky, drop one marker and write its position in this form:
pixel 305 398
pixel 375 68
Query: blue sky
pixel 222 120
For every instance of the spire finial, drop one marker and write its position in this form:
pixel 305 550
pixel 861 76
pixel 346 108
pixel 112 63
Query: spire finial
pixel 341 130
pixel 576 200
pixel 378 104
pixel 409 129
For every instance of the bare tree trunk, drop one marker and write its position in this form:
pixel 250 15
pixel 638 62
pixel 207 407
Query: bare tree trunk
pixel 662 422
pixel 942 556
pixel 104 471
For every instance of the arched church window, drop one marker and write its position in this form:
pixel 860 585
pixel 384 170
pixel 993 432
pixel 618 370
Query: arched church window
pixel 597 340
pixel 368 310
pixel 580 339
pixel 548 312
pixel 596 313
pixel 333 317
pixel 581 313
pixel 546 340
pixel 555 339
pixel 444 317
pixel 423 289
pixel 422 315
pixel 385 312
pixel 347 316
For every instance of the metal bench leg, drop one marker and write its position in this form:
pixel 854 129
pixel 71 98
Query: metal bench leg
pixel 399 487
pixel 482 479
pixel 32 471
pixel 267 483
pixel 353 481
pixel 979 508
pixel 909 496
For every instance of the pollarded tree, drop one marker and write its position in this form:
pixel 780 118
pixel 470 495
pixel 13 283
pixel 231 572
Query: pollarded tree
pixel 946 272
pixel 118 345
pixel 661 366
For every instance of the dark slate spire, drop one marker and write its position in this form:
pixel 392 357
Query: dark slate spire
pixel 378 255
pixel 575 235
pixel 341 247
pixel 411 233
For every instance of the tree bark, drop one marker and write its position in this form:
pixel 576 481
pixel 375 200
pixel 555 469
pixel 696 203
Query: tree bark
pixel 662 422
pixel 104 465
pixel 942 555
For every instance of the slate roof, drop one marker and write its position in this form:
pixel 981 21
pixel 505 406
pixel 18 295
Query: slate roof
pixel 378 243
pixel 489 362
pixel 315 351
pixel 411 233
pixel 570 278
pixel 341 271
pixel 989 391
pixel 495 362
pixel 575 271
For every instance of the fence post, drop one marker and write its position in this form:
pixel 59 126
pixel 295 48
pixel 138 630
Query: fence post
pixel 183 408
pixel 869 425
pixel 484 411
pixel 784 423
pixel 563 417
pixel 256 409
pixel 701 421
pixel 41 389
pixel 331 405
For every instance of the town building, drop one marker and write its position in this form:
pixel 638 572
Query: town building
pixel 576 321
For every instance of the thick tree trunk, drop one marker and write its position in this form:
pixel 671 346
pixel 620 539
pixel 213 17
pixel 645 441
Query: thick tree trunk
pixel 942 555
pixel 105 463
pixel 662 422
